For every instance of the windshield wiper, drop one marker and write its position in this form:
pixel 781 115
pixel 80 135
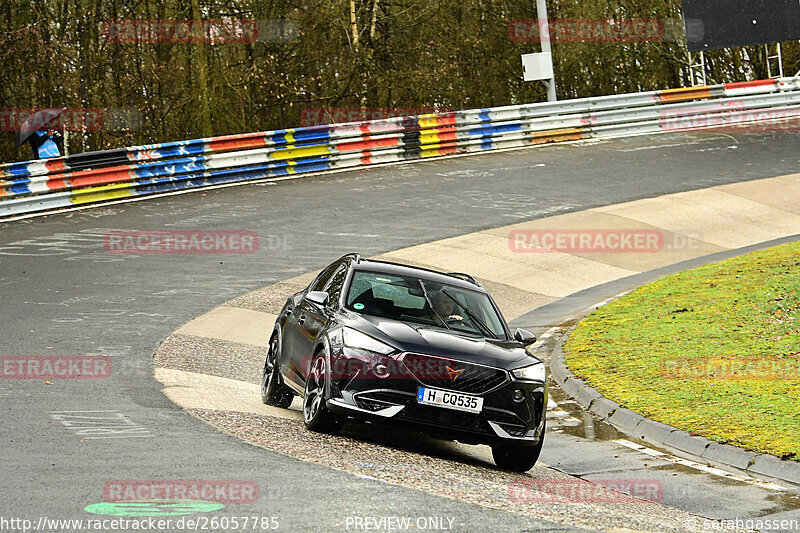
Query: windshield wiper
pixel 477 320
pixel 430 304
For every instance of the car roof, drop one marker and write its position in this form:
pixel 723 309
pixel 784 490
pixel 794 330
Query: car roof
pixel 388 267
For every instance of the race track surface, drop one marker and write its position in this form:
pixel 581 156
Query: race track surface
pixel 64 295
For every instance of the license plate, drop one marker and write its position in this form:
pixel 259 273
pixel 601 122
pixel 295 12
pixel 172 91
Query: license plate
pixel 450 400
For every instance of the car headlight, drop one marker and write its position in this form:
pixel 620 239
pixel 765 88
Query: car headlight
pixel 355 339
pixel 534 372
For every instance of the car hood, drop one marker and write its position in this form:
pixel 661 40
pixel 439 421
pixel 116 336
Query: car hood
pixel 435 341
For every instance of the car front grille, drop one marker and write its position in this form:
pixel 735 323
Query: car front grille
pixel 450 374
pixel 446 418
pixel 371 405
pixel 514 431
pixel 437 416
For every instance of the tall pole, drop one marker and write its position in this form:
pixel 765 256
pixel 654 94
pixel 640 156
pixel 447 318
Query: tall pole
pixel 544 35
pixel 353 26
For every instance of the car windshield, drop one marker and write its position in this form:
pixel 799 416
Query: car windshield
pixel 403 298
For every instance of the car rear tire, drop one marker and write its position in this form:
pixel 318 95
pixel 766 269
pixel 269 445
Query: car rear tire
pixel 316 415
pixel 517 457
pixel 273 392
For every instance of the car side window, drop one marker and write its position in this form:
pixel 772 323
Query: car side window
pixel 322 280
pixel 334 287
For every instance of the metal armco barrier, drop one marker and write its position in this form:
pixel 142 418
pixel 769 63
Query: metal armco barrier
pixel 41 185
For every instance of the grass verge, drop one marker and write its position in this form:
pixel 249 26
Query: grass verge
pixel 714 351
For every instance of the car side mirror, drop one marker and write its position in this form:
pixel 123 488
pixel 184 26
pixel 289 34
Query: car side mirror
pixel 524 336
pixel 317 297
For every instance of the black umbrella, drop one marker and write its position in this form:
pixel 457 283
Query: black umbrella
pixel 38 121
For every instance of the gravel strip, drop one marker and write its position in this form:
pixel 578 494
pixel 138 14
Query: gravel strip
pixel 470 482
pixel 271 299
pixel 204 355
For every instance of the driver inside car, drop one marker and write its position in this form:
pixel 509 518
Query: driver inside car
pixel 445 307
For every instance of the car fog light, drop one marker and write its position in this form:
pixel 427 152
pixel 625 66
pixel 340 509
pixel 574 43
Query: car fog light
pixel 381 370
pixel 519 395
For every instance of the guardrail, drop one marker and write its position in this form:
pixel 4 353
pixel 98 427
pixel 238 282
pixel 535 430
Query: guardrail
pixel 41 185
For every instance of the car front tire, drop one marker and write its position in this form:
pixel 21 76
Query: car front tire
pixel 316 415
pixel 515 457
pixel 273 392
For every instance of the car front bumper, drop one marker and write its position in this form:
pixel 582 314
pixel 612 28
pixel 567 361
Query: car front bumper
pixel 393 400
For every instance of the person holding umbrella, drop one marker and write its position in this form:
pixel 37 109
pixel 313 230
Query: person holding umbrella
pixel 38 130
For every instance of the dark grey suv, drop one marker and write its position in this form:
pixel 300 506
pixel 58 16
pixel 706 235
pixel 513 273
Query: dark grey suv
pixel 404 345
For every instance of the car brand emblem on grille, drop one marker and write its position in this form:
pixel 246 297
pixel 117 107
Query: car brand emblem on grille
pixel 453 373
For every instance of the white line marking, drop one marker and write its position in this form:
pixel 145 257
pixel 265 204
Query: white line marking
pixel 555 412
pixel 123 437
pixel 540 340
pixel 769 485
pixel 549 333
pixel 348 234
pixel 370 478
pixel 656 146
pixel 558 413
pixel 103 411
pixel 569 401
pixel 607 301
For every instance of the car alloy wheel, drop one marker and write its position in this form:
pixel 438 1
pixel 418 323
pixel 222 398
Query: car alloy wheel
pixel 316 415
pixel 273 392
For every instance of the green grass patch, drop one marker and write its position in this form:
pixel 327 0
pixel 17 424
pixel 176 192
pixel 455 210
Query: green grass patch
pixel 714 351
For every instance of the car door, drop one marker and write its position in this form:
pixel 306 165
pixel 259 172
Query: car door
pixel 314 318
pixel 294 348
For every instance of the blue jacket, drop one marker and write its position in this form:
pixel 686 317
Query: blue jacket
pixel 46 146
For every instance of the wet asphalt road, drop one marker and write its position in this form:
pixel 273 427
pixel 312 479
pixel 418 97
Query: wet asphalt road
pixel 63 294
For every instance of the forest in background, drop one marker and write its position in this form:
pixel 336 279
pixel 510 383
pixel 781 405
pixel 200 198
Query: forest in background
pixel 340 54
